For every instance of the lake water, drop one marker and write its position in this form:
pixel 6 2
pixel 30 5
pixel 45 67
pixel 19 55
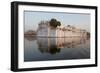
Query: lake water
pixel 44 49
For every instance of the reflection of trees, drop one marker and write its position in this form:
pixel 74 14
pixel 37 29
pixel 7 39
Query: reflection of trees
pixel 53 45
pixel 47 45
pixel 54 50
pixel 30 35
pixel 51 49
pixel 30 38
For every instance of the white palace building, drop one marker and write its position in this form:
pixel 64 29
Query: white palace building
pixel 45 30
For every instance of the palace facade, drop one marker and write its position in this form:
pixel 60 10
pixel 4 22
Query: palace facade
pixel 45 30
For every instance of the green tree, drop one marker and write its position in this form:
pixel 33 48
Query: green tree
pixel 54 23
pixel 58 23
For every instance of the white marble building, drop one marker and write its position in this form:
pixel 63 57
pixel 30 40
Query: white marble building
pixel 45 30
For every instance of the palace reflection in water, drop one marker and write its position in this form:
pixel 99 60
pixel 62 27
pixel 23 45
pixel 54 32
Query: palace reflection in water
pixel 41 49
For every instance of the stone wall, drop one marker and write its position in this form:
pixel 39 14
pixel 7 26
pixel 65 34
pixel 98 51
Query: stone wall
pixel 45 30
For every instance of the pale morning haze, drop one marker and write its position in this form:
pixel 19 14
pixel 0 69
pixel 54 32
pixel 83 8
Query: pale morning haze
pixel 32 19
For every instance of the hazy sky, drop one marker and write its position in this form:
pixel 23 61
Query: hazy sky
pixel 32 18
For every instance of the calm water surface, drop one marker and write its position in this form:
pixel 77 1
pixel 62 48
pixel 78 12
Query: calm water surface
pixel 41 49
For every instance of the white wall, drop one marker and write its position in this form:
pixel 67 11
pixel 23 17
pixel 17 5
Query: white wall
pixel 5 17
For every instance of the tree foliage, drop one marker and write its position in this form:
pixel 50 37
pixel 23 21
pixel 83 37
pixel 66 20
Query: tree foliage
pixel 54 23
